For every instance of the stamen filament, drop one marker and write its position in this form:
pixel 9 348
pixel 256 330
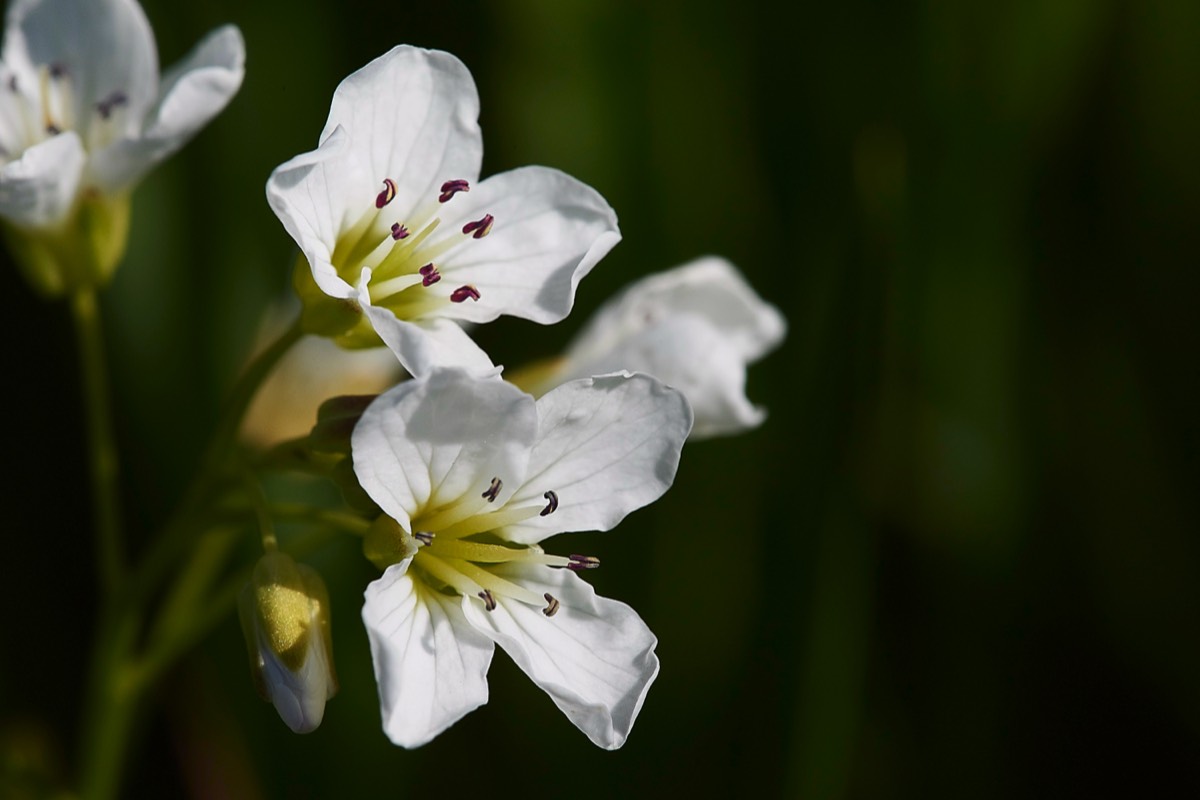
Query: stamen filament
pixel 483 553
pixel 447 574
pixel 495 584
pixel 384 289
pixel 479 523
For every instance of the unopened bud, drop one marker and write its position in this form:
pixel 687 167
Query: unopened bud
pixel 284 611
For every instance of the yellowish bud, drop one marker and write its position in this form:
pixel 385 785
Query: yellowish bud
pixel 284 611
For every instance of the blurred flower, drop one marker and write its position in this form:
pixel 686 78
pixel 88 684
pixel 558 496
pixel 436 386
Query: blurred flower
pixel 83 116
pixel 399 237
pixel 695 328
pixel 313 371
pixel 472 475
pixel 284 611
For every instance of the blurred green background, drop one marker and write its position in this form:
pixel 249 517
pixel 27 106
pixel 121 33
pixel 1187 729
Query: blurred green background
pixel 959 559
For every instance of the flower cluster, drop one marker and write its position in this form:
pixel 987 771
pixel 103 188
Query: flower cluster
pixel 456 477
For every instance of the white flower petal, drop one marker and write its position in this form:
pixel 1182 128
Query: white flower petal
pixel 427 344
pixel 436 441
pixel 594 657
pixel 308 194
pixel 300 696
pixel 38 189
pixel 606 446
pixel 549 230
pixel 430 664
pixel 192 93
pixel 412 115
pixel 709 287
pixel 106 46
pixel 686 352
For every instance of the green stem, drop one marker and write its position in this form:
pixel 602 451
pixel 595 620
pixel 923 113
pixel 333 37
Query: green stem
pixel 102 447
pixel 119 680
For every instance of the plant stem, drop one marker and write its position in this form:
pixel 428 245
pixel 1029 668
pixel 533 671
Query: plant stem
pixel 119 681
pixel 102 447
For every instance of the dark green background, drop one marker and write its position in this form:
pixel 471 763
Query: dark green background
pixel 959 559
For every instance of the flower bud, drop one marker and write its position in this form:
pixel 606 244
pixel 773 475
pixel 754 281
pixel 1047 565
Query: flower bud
pixel 284 611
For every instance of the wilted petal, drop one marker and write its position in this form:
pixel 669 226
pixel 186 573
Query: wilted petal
pixel 431 442
pixel 192 93
pixel 38 189
pixel 549 231
pixel 606 446
pixel 430 664
pixel 594 657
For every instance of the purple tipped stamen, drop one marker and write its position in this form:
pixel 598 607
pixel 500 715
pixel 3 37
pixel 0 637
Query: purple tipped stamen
pixel 492 491
pixel 480 227
pixel 106 106
pixel 58 70
pixel 489 602
pixel 424 537
pixel 579 562
pixel 399 232
pixel 551 505
pixel 429 275
pixel 451 188
pixel 53 130
pixel 387 195
pixel 463 293
pixel 552 605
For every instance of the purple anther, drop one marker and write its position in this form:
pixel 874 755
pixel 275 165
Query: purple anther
pixel 579 562
pixel 387 195
pixel 462 293
pixel 399 232
pixel 480 227
pixel 13 85
pixel 451 188
pixel 429 275
pixel 106 106
pixel 551 505
pixel 58 70
pixel 53 130
pixel 492 491
pixel 489 602
pixel 552 605
pixel 424 537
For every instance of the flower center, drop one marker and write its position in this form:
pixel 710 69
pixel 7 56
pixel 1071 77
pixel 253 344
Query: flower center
pixel 31 114
pixel 404 253
pixel 458 550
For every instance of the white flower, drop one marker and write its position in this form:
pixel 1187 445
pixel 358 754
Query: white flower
pixel 472 475
pixel 83 112
pixel 695 328
pixel 392 221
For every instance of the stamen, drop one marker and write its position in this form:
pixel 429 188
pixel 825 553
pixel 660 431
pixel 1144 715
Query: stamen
pixel 13 86
pixel 489 602
pixel 58 70
pixel 424 537
pixel 451 188
pixel 552 605
pixel 551 506
pixel 461 294
pixel 492 491
pixel 480 227
pixel 429 275
pixel 106 106
pixel 387 195
pixel 579 562
pixel 53 130
pixel 399 232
